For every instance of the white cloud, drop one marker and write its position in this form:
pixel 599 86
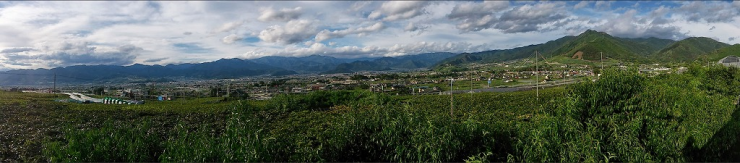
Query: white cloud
pixel 373 51
pixel 410 27
pixel 226 27
pixel 528 18
pixel 169 32
pixel 359 5
pixel 17 50
pixel 326 34
pixel 230 39
pixel 581 4
pixel 69 53
pixel 285 14
pixel 627 25
pixel 603 4
pixel 399 10
pixel 710 12
pixel 525 18
pixel 294 31
pixel 476 16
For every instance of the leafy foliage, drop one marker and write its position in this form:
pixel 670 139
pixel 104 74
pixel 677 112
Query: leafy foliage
pixel 623 116
pixel 688 50
pixel 626 117
pixel 723 52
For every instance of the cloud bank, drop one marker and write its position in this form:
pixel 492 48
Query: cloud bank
pixel 49 34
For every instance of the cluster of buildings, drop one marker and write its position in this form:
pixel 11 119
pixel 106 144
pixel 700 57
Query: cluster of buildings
pixel 416 82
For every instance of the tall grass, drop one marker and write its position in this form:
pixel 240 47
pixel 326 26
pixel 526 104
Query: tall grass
pixel 111 142
pixel 624 116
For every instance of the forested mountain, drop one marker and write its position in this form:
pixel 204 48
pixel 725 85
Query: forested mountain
pixel 588 46
pixel 689 49
pixel 223 68
pixel 591 45
pixel 393 63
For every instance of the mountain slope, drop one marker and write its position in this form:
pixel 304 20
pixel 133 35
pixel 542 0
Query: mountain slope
pixel 389 63
pixel 224 68
pixel 721 53
pixel 307 64
pixel 505 55
pixel 592 44
pixel 652 43
pixel 688 50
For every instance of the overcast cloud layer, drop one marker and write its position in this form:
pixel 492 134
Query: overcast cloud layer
pixel 53 34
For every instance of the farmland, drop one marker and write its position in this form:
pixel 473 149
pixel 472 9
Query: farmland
pixel 624 116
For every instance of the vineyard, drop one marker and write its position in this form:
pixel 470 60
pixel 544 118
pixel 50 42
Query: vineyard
pixel 624 116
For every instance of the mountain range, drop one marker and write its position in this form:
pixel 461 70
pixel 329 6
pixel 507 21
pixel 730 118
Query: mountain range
pixel 223 68
pixel 588 46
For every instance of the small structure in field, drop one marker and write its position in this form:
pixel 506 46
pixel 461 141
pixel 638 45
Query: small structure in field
pixel 730 61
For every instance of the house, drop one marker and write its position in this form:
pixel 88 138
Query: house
pixel 421 89
pixel 730 61
pixel 316 87
pixel 397 87
pixel 297 90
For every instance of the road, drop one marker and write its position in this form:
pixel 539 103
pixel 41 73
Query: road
pixel 515 88
pixel 81 97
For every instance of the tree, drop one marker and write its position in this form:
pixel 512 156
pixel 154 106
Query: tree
pixel 359 77
pixel 215 92
pixel 98 91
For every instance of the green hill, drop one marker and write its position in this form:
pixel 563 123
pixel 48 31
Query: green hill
pixel 505 55
pixel 590 43
pixel 407 62
pixel 652 43
pixel 688 50
pixel 721 53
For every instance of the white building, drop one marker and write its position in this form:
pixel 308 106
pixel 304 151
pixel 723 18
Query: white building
pixel 730 61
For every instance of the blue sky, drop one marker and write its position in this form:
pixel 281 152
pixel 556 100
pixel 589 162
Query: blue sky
pixel 52 34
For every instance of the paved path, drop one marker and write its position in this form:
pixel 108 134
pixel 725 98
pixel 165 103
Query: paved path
pixel 514 88
pixel 81 97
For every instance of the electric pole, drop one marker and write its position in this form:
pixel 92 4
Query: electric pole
pixel 602 62
pixel 55 84
pixel 537 69
pixel 452 106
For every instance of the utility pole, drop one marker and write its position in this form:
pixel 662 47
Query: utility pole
pixel 452 106
pixel 602 62
pixel 537 69
pixel 489 82
pixel 55 84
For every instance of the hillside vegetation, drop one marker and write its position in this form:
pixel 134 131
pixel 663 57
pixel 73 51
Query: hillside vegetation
pixel 592 45
pixel 505 55
pixel 624 116
pixel 688 50
pixel 722 53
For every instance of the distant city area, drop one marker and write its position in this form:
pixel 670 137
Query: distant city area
pixel 370 81
pixel 567 60
pixel 418 82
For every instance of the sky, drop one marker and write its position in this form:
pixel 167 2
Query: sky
pixel 50 34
